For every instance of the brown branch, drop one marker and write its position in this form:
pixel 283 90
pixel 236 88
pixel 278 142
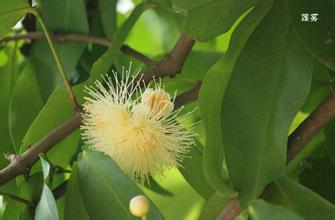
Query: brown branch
pixel 188 96
pixel 20 165
pixel 173 62
pixel 61 38
pixel 311 126
pixel 232 210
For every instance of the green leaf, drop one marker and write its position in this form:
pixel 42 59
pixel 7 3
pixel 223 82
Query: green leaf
pixel 28 190
pixel 268 86
pixel 261 210
pixel 67 16
pixel 108 17
pixel 188 4
pixel 56 111
pixel 104 63
pixel 214 206
pixel 7 79
pixel 221 15
pixel 74 205
pixel 11 11
pixel 317 37
pixel 215 82
pixel 305 202
pixel 192 170
pixel 46 208
pixel 26 102
pixel 105 189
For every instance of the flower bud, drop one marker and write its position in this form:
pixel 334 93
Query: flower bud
pixel 139 206
pixel 158 100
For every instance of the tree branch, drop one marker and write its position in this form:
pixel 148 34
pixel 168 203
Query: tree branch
pixel 232 210
pixel 324 113
pixel 61 38
pixel 173 62
pixel 188 96
pixel 21 164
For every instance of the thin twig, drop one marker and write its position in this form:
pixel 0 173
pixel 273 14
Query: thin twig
pixel 61 38
pixel 59 64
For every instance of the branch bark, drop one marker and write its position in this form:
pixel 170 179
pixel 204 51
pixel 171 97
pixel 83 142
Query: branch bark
pixel 324 113
pixel 20 165
pixel 61 38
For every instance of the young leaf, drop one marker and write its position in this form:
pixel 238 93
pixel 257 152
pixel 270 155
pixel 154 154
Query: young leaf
pixel 215 82
pixel 268 86
pixel 261 210
pixel 46 208
pixel 105 189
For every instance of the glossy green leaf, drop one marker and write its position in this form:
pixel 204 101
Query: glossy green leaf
pixel 305 202
pixel 317 37
pixel 26 102
pixel 192 170
pixel 104 63
pixel 46 208
pixel 67 16
pixel 214 206
pixel 7 79
pixel 11 11
pixel 74 206
pixel 215 82
pixel 108 17
pixel 105 189
pixel 57 110
pixel 210 20
pixel 268 86
pixel 261 210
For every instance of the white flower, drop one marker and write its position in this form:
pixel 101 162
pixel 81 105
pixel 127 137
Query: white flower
pixel 137 129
